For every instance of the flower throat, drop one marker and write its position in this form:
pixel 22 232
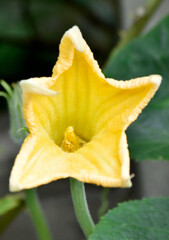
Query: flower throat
pixel 71 142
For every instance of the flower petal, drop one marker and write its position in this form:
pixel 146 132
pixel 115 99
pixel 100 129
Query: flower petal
pixel 72 41
pixel 37 86
pixel 124 101
pixel 98 109
pixel 40 161
pixel 101 162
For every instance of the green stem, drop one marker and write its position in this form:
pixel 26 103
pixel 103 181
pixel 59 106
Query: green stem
pixel 37 216
pixel 104 202
pixel 81 207
pixel 140 23
pixel 137 27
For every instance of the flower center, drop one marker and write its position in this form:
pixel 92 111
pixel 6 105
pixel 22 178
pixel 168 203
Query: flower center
pixel 71 142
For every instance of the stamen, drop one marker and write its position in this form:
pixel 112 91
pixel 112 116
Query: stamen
pixel 71 142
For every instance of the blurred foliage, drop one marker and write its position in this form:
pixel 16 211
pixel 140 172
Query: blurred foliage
pixel 29 38
pixel 10 206
pixel 148 137
pixel 9 202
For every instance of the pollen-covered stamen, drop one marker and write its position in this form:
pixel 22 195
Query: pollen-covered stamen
pixel 71 142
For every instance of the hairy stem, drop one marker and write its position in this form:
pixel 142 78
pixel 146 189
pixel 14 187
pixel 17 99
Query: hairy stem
pixel 81 207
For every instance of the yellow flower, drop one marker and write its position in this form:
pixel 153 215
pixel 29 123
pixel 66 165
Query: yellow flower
pixel 77 120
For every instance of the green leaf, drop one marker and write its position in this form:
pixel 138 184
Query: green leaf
pixel 10 207
pixel 148 137
pixel 9 202
pixel 146 219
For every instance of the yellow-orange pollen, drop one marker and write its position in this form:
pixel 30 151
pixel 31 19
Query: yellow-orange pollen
pixel 71 142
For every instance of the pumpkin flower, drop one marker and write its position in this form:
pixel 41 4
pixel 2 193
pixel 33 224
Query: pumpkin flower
pixel 77 120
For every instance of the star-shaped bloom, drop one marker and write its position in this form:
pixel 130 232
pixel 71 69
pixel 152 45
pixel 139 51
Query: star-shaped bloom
pixel 77 120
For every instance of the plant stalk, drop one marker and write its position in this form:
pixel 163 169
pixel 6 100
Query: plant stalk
pixel 137 27
pixel 140 22
pixel 80 206
pixel 104 202
pixel 37 215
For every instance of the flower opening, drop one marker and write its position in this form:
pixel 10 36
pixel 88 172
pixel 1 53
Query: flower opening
pixel 77 120
pixel 71 142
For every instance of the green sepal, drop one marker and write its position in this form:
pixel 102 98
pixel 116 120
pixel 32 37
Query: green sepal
pixel 14 101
